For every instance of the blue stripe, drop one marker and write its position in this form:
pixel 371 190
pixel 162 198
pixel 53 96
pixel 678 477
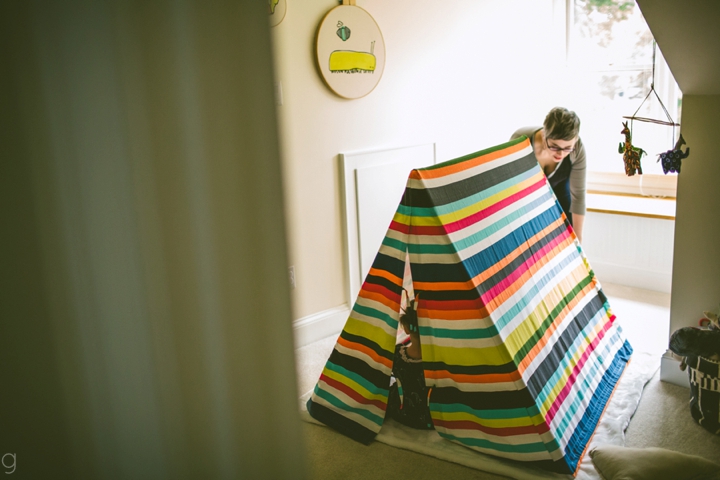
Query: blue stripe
pixel 499 447
pixel 585 429
pixel 576 405
pixel 467 201
pixel 534 290
pixel 369 386
pixel 567 358
pixel 336 402
pixel 479 236
pixel 374 313
pixel 496 414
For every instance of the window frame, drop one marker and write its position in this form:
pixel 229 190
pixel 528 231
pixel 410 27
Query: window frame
pixel 646 185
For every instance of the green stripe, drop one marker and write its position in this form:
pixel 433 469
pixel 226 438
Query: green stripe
pixel 476 154
pixel 336 402
pixel 496 414
pixel 471 240
pixel 373 389
pixel 467 201
pixel 396 244
pixel 549 320
pixel 371 312
pixel 469 334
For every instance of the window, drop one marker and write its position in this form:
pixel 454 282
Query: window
pixel 610 70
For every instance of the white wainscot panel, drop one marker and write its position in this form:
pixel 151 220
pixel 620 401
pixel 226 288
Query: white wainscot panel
pixel 630 250
pixel 373 185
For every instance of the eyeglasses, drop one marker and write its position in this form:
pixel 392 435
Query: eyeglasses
pixel 555 148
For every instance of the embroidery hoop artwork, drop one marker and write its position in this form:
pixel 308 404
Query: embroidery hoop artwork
pixel 276 10
pixel 350 51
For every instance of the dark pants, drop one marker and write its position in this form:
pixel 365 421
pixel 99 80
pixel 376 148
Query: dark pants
pixel 560 183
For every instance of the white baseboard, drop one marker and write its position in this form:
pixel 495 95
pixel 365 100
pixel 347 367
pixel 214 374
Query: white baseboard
pixel 632 276
pixel 320 325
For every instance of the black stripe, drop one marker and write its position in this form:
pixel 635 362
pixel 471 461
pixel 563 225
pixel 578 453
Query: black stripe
pixel 552 361
pixel 342 424
pixel 471 369
pixel 549 319
pixel 483 400
pixel 362 369
pixel 524 257
pixel 481 261
pixel 389 264
pixel 435 197
pixel 384 282
pixel 368 343
pixel 450 295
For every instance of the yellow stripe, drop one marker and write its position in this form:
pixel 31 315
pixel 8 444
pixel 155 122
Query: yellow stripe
pixel 371 332
pixel 466 211
pixel 466 356
pixel 489 422
pixel 352 384
pixel 545 407
pixel 522 333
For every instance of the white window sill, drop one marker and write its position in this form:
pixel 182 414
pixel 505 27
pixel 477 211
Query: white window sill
pixel 646 195
pixel 640 185
pixel 631 204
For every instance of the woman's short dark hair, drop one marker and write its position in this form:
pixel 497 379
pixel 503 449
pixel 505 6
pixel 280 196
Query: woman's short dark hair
pixel 561 124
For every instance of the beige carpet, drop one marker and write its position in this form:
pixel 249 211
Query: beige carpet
pixel 662 418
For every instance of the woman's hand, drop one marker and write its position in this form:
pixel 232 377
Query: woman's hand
pixel 578 221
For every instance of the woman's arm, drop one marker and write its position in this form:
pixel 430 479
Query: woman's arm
pixel 578 221
pixel 578 176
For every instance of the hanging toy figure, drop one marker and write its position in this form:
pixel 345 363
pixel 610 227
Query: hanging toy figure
pixel 631 155
pixel 671 160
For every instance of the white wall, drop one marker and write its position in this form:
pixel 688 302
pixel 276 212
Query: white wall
pixel 462 73
pixel 696 269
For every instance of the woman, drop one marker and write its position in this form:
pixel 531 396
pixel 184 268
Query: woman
pixel 561 155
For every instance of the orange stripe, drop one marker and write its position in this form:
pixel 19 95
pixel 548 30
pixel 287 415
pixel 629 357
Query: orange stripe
pixel 464 378
pixel 386 275
pixel 522 280
pixel 557 321
pixel 517 252
pixel 481 277
pixel 475 314
pixel 367 351
pixel 468 164
pixel 377 297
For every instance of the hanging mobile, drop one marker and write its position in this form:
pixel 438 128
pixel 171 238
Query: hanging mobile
pixel 631 154
pixel 671 160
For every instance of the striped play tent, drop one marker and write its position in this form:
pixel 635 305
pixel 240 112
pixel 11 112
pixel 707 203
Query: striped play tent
pixel 518 341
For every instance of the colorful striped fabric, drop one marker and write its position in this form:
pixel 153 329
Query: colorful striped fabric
pixel 518 341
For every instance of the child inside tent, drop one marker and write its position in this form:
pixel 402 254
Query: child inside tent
pixel 408 396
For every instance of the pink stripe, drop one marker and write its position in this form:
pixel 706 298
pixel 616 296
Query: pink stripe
pixel 467 221
pixel 507 282
pixel 576 371
pixel 495 207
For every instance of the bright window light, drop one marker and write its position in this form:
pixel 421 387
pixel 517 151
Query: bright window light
pixel 610 60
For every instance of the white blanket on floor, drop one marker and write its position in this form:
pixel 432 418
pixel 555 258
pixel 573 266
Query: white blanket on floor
pixel 610 430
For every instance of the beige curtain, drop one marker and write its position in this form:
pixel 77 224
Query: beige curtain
pixel 145 323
